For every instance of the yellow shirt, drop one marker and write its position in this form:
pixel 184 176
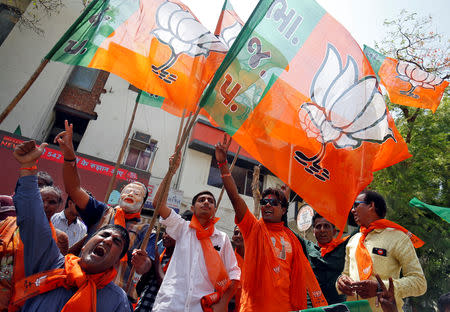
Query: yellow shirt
pixel 400 255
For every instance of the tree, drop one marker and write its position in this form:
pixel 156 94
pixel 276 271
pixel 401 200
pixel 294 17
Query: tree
pixel 426 174
pixel 30 12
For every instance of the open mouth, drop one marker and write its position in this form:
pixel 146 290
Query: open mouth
pixel 128 200
pixel 99 251
pixel 267 212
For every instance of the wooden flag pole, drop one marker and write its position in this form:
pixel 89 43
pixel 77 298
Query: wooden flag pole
pixel 24 90
pixel 122 152
pixel 231 170
pixel 165 189
pixel 255 190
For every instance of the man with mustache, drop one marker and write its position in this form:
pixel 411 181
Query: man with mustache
pixel 203 273
pixel 96 214
pixel 53 282
pixel 276 273
pixel 382 247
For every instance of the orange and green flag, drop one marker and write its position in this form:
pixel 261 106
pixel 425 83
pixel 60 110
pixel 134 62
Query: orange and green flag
pixel 229 25
pixel 158 46
pixel 405 82
pixel 296 92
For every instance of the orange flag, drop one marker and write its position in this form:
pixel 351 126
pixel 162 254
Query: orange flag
pixel 405 82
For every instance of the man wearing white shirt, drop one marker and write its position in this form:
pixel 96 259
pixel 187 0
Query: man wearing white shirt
pixel 193 278
pixel 68 222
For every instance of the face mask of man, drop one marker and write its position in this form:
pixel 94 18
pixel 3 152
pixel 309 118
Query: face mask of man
pixel 131 198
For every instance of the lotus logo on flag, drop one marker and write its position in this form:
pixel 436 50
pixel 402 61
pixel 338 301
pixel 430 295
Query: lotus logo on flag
pixel 170 18
pixel 411 73
pixel 344 111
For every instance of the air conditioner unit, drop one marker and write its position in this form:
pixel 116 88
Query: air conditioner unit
pixel 140 140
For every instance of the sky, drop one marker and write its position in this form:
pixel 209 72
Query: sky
pixel 362 18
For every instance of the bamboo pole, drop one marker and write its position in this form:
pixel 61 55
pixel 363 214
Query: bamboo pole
pixel 122 152
pixel 165 188
pixel 255 190
pixel 24 90
pixel 231 169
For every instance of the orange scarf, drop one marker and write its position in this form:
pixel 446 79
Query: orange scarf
pixel 327 248
pixel 363 259
pixel 164 267
pixel 217 273
pixel 120 218
pixel 263 264
pixel 16 248
pixel 84 299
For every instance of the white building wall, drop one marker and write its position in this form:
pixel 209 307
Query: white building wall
pixel 22 52
pixel 20 55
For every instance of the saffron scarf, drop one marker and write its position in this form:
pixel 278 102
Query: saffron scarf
pixel 120 218
pixel 264 263
pixel 363 259
pixel 84 299
pixel 217 272
pixel 12 244
pixel 327 248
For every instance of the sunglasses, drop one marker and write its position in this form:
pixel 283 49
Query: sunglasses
pixel 356 203
pixel 270 201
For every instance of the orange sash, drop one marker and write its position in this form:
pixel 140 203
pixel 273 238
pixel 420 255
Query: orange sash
pixel 363 259
pixel 327 248
pixel 164 267
pixel 85 299
pixel 119 219
pixel 217 273
pixel 258 247
pixel 8 229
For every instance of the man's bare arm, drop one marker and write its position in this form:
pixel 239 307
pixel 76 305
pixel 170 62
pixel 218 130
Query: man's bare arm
pixel 239 205
pixel 70 172
pixel 174 163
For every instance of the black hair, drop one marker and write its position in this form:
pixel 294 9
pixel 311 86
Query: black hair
pixel 187 215
pixel 45 177
pixel 203 193
pixel 378 201
pixel 69 198
pixel 318 216
pixel 279 194
pixel 53 188
pixel 123 233
pixel 141 184
pixel 444 302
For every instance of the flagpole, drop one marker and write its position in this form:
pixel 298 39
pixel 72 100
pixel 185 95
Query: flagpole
pixel 255 190
pixel 231 170
pixel 44 62
pixel 24 90
pixel 122 152
pixel 165 189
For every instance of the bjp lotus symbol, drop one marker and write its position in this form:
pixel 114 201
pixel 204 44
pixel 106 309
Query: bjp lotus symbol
pixel 183 34
pixel 344 111
pixel 416 77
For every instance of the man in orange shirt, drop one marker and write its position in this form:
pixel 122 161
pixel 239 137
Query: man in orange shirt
pixel 276 273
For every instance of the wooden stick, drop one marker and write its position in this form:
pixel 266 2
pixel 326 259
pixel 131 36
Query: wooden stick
pixel 231 170
pixel 24 90
pixel 181 127
pixel 165 188
pixel 255 190
pixel 122 152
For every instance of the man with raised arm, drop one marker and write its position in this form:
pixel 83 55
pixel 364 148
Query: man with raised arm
pixel 203 273
pixel 54 282
pixel 96 214
pixel 276 273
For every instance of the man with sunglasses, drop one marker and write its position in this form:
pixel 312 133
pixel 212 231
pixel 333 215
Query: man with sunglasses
pixel 382 247
pixel 203 274
pixel 276 274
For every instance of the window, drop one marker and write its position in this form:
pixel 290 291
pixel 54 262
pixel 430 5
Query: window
pixel 242 176
pixel 9 16
pixel 141 151
pixel 83 78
